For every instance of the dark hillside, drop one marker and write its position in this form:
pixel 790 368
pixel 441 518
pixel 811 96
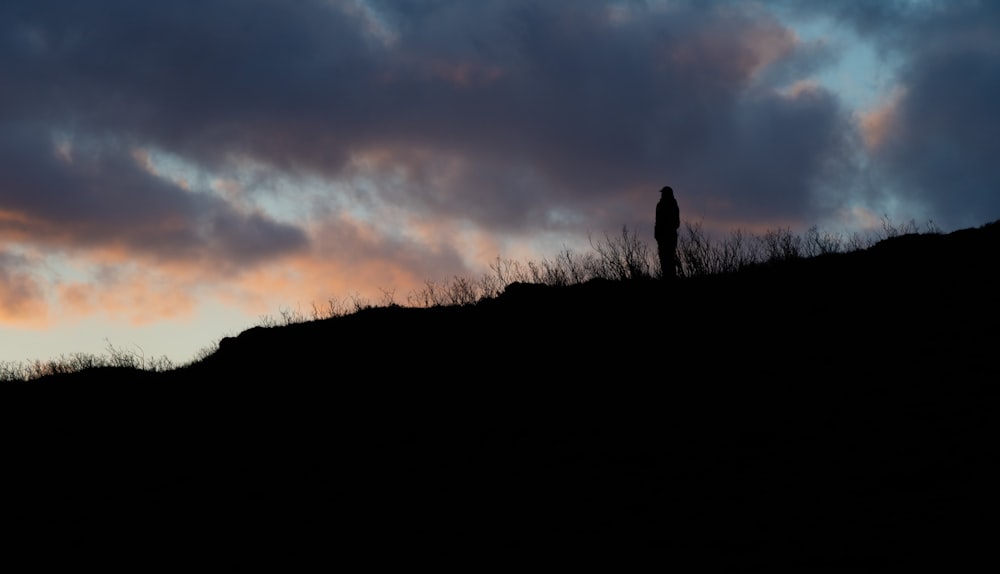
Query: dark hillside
pixel 832 412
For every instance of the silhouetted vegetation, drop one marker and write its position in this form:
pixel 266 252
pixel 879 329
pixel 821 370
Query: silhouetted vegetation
pixel 621 257
pixel 114 357
pixel 813 403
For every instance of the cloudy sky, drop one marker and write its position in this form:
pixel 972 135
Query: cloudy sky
pixel 170 171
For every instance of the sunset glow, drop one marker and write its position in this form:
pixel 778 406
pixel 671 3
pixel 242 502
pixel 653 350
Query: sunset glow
pixel 172 171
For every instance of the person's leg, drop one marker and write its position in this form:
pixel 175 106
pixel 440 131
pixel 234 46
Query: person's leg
pixel 666 261
pixel 671 259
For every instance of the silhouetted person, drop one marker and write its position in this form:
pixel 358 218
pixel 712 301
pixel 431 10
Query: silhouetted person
pixel 668 221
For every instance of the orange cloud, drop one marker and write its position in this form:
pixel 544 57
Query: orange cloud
pixel 14 219
pixel 877 123
pixel 350 257
pixel 800 89
pixel 768 43
pixel 728 42
pixel 138 297
pixel 22 301
pixel 861 217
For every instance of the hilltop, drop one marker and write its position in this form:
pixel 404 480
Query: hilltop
pixel 822 412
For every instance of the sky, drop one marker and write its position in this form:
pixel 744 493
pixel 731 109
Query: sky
pixel 173 171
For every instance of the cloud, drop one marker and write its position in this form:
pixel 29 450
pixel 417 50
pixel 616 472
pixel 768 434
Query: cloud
pixel 939 147
pixel 931 139
pixel 389 141
pixel 21 293
pixel 155 156
pixel 527 110
pixel 128 294
pixel 584 108
pixel 70 193
pixel 349 259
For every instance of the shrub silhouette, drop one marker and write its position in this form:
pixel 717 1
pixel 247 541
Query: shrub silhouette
pixel 531 419
pixel 622 257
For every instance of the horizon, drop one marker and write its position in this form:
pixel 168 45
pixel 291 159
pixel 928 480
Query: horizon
pixel 174 173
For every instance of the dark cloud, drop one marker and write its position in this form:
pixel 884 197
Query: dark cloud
pixel 579 99
pixel 877 19
pixel 936 146
pixel 775 150
pixel 586 103
pixel 78 193
pixel 513 114
pixel 940 147
pixel 203 78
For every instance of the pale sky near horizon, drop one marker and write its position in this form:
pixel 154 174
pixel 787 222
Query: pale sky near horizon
pixel 171 171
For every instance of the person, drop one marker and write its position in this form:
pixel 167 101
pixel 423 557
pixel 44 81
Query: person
pixel 668 221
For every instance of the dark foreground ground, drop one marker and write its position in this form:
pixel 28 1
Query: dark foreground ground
pixel 832 414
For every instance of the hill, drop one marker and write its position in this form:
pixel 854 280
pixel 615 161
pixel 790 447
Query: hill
pixel 833 412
